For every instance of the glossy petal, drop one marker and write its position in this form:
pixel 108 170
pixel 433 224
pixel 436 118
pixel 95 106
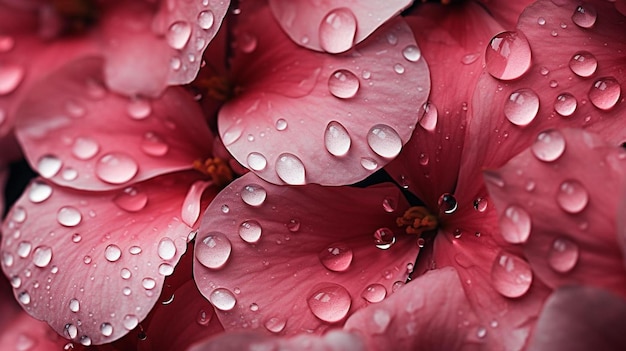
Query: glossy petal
pixel 307 22
pixel 549 28
pixel 320 118
pixel 581 318
pixel 506 12
pixel 26 333
pixel 265 253
pixel 570 207
pixel 450 36
pixel 92 264
pixel 79 134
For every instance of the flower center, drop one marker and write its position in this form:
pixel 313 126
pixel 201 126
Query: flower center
pixel 219 88
pixel 418 220
pixel 215 168
pixel 77 15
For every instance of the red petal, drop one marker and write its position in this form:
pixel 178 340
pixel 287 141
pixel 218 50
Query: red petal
pixel 265 253
pixel 506 12
pixel 277 124
pixel 92 264
pixel 78 134
pixel 564 211
pixel 333 26
pixel 579 319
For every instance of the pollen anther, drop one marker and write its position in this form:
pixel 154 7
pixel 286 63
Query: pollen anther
pixel 417 220
pixel 217 169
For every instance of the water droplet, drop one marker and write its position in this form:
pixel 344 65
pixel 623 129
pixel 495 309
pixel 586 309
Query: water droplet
pixel 11 75
pixel 368 163
pixel 293 225
pixel 69 216
pixel 336 139
pixel 398 68
pixel 148 283
pixel 563 255
pixel 39 192
pixel 253 194
pixel 42 256
pixel 87 259
pixel 203 318
pixel 223 299
pixel 275 325
pixel 178 35
pixel 384 238
pixel 583 64
pixel 480 204
pixel 585 16
pixel 130 321
pixel 134 250
pixel 48 166
pixel 481 332
pixel 126 291
pixel 69 174
pixel 374 293
pixel 510 275
pixel 154 145
pixel 116 168
pixel 24 298
pixel 112 253
pixel 250 231
pixel 125 273
pixel 7 259
pixel 166 269
pixel 541 21
pixel 515 225
pixel 336 257
pixel 565 104
pixel 508 55
pixel 106 329
pixel 74 305
pixel 214 250
pixel 166 249
pixel 521 107
pixel 572 196
pixel 343 84
pixel 423 159
pixel 330 302
pixel 23 249
pixel 75 109
pixel 290 169
pixel 281 124
pixel 412 53
pixel 384 141
pixel 139 108
pixel 256 161
pixel 549 146
pixel 206 19
pixel 130 199
pixel 605 93
pixel 337 30
pixel 225 209
pixel 447 203
pixel 429 119
pixel 85 148
pixel 389 204
pixel 85 340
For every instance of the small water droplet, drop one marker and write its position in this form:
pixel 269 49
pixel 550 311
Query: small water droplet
pixel 7 259
pixel 126 291
pixel 374 293
pixel 330 302
pixel 281 124
pixel 290 169
pixel 154 145
pixel 605 93
pixel 337 30
pixel 206 19
pixel 130 321
pixel 214 250
pixel 166 249
pixel 481 332
pixel 24 298
pixel 256 161
pixel 572 196
pixel 384 141
pixel 585 16
pixel 253 195
pixel 343 84
pixel 42 255
pixel 293 225
pixel 521 107
pixel 116 168
pixel 125 273
pixel 148 283
pixel 130 199
pixel 563 255
pixel 511 276
pixel 565 104
pixel 250 231
pixel 223 299
pixel 134 250
pixel 275 325
pixel 429 119
pixel 225 209
pixel 178 35
pixel 515 224
pixel 549 146
pixel 39 192
pixel 508 55
pixel 447 203
pixel 336 139
pixel 336 257
pixel 541 21
pixel 203 318
pixel 23 249
pixel 74 305
pixel 480 204
pixel 112 253
pixel 389 204
pixel 398 68
pixel 139 108
pixel 69 216
pixel 16 282
pixel 412 53
pixel 166 269
pixel 48 166
pixel 583 64
pixel 368 163
pixel 106 329
pixel 384 238
pixel 247 42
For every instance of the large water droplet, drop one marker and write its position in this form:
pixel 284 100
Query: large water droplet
pixel 42 256
pixel 148 283
pixel 275 325
pixel 605 93
pixel 563 255
pixel 39 192
pixel 281 124
pixel 565 104
pixel 549 146
pixel 112 253
pixel 256 161
pixel 85 148
pixel 166 249
pixel 429 120
pixel 337 30
pixel 74 305
pixel 336 139
pixel 343 84
pixel 106 329
pixel 154 145
pixel 214 250
pixel 510 275
pixel 223 299
pixel 11 75
pixel 330 302
pixel 515 224
pixel 130 321
pixel 116 168
pixel 384 238
pixel 583 64
pixel 290 169
pixel 48 166
pixel 206 19
pixel 178 35
pixel 374 293
pixel 130 199
pixel 336 257
pixel 508 55
pixel 69 216
pixel 572 196
pixel 384 141
pixel 139 108
pixel 24 298
pixel 521 107
pixel 447 203
pixel 585 16
pixel 412 53
pixel 253 194
pixel 250 231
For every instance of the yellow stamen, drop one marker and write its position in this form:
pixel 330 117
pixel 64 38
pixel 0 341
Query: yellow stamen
pixel 216 168
pixel 417 220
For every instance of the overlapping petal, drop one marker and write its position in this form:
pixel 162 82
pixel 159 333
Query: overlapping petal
pixel 333 26
pixel 288 259
pixel 92 264
pixel 79 134
pixel 305 117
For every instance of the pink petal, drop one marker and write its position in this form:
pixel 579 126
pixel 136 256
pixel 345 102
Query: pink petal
pixel 506 12
pixel 265 253
pixel 288 127
pixel 581 318
pixel 538 100
pixel 333 26
pixel 450 37
pixel 78 134
pixel 558 199
pixel 24 332
pixel 144 52
pixel 92 264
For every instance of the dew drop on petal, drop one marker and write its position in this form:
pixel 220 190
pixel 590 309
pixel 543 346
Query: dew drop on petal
pixel 134 250
pixel 166 269
pixel 412 53
pixel 85 148
pixel 583 64
pixel 178 35
pixel 130 199
pixel 384 238
pixel 336 257
pixel 223 299
pixel 24 298
pixel 447 203
pixel 343 84
pixel 336 139
pixel 11 75
pixel 384 141
pixel 398 68
pixel 39 192
pixel 148 283
pixel 337 30
pixel 368 163
pixel 480 204
pixel 511 276
pixel 256 161
pixel 250 231
pixel 605 93
pixel 69 216
pixel 116 168
pixel 429 119
pixel 508 55
pixel 139 109
pixel 389 204
pixel 565 104
pixel 166 249
pixel 74 305
pixel 130 321
pixel 253 195
pixel 330 302
pixel 293 225
pixel 206 19
pixel 247 42
pixel 106 329
pixel 154 145
pixel 214 250
pixel 112 253
pixel 515 224
pixel 281 124
pixel 42 255
pixel 521 107
pixel 203 318
pixel 374 293
pixel 23 249
pixel 125 273
pixel 549 146
pixel 585 16
pixel 48 166
pixel 572 196
pixel 290 169
pixel 275 325
pixel 563 255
